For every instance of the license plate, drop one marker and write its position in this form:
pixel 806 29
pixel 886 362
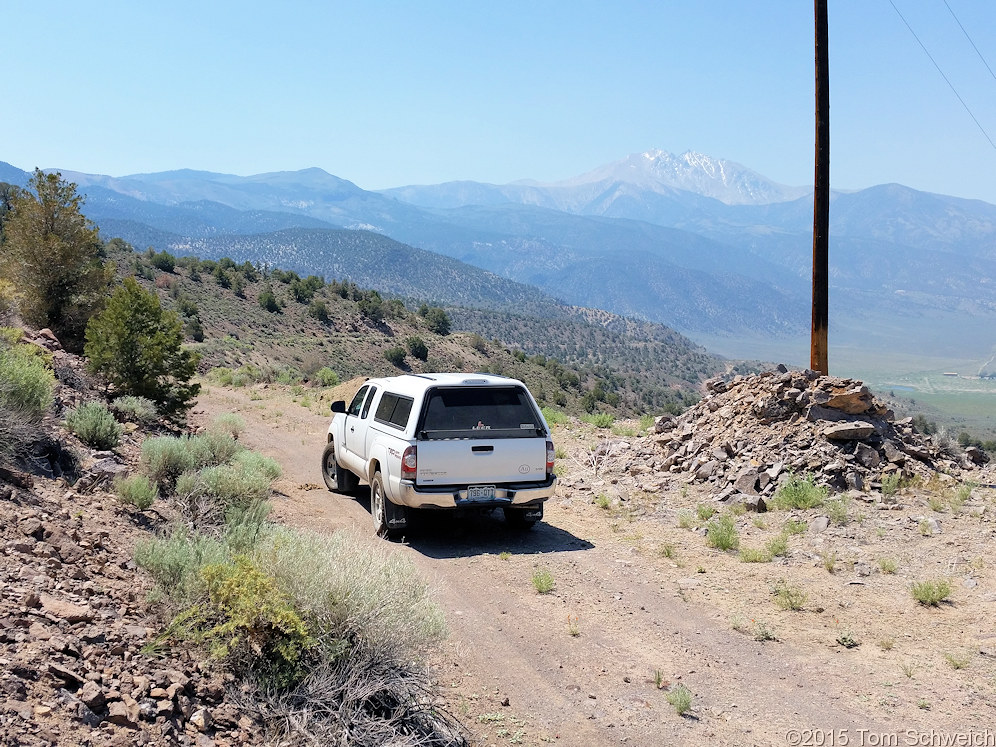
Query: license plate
pixel 481 493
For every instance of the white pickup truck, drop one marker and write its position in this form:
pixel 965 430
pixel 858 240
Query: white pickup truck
pixel 442 441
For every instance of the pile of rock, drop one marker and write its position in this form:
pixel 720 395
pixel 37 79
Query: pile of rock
pixel 748 435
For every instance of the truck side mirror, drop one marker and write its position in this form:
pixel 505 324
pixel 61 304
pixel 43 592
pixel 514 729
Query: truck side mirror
pixel 339 405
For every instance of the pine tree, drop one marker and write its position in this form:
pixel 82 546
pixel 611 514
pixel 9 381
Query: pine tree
pixel 136 347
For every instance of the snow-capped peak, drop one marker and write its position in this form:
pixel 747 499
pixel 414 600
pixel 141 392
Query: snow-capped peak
pixel 661 171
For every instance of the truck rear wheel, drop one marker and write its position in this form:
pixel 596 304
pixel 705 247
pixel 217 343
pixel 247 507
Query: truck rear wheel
pixel 336 478
pixel 389 519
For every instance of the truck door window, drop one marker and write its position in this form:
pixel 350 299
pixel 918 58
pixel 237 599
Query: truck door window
pixel 394 410
pixel 357 403
pixel 370 399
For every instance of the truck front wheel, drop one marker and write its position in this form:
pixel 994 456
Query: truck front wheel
pixel 389 519
pixel 336 478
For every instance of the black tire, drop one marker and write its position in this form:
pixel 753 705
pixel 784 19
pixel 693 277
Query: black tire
pixel 336 478
pixel 523 518
pixel 389 519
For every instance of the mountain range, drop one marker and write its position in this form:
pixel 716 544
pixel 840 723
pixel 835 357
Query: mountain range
pixel 705 246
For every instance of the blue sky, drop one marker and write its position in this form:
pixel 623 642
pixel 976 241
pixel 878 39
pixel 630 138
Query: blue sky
pixel 393 93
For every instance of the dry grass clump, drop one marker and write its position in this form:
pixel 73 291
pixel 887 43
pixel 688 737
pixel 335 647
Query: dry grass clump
pixel 25 393
pixel 800 493
pixel 722 533
pixel 931 593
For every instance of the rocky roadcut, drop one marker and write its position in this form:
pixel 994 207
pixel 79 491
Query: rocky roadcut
pixel 642 631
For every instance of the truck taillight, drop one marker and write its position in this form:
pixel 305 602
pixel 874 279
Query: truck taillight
pixel 550 452
pixel 409 464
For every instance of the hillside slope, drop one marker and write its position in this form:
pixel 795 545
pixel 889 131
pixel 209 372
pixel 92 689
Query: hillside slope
pixel 575 363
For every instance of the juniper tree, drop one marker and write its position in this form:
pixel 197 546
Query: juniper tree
pixel 136 347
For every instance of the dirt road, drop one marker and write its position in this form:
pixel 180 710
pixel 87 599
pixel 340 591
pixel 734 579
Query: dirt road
pixel 590 662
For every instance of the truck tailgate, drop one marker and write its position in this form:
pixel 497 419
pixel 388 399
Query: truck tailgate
pixel 481 461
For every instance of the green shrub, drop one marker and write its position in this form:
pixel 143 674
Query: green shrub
pixel 220 375
pixel 25 382
pixel 137 491
pixel 722 534
pixel 887 565
pixel 94 425
pixel 680 698
pixel 755 555
pixel 246 526
pixel 289 376
pixel 795 526
pixel 788 597
pixel 543 581
pixel 704 511
pixel 436 319
pixel 800 493
pixel 268 301
pixel 890 483
pixel 599 420
pixel 395 356
pixel 931 593
pixel 686 519
pixel 778 546
pixel 417 348
pixel 247 375
pixel 326 377
pixel 229 423
pixel 553 417
pixel 305 618
pixel 836 509
pixel 249 622
pixel 319 310
pixel 214 494
pixel 253 461
pixel 352 591
pixel 174 562
pixel 211 448
pixel 165 458
pixel 25 393
pixel 136 409
pixel 236 485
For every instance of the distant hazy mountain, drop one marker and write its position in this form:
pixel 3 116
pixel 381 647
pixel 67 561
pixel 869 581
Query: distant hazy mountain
pixel 703 245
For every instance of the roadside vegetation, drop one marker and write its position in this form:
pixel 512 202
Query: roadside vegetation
pixel 26 381
pixel 310 624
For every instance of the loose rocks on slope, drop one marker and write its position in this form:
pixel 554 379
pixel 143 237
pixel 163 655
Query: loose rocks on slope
pixel 749 434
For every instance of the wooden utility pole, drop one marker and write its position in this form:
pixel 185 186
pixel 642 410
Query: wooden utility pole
pixel 821 197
